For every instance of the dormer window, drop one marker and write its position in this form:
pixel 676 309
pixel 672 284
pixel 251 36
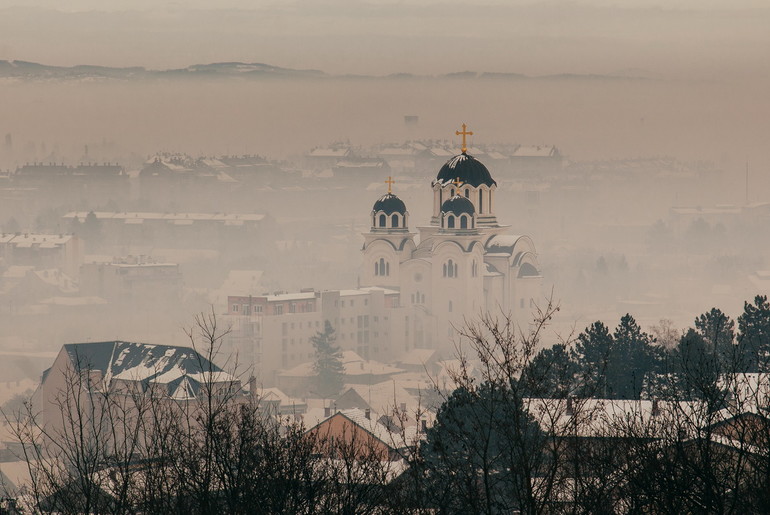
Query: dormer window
pixel 383 220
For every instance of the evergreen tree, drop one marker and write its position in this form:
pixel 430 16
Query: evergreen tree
pixel 636 358
pixel 551 373
pixel 592 353
pixel 476 454
pixel 718 332
pixel 615 365
pixel 754 335
pixel 328 362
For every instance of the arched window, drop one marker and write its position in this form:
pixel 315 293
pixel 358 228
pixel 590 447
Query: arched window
pixel 467 193
pixel 463 221
pixel 450 221
pixel 474 269
pixel 382 267
pixel 481 201
pixel 383 218
pixel 394 220
pixel 376 268
pixel 450 269
pixel 387 269
pixel 450 306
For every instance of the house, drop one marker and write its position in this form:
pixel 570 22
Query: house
pixel 83 373
pixel 360 432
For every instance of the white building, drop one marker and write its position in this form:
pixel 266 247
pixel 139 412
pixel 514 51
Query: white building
pixel 416 288
pixel 461 264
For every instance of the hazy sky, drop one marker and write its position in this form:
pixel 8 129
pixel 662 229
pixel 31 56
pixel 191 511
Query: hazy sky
pixel 672 38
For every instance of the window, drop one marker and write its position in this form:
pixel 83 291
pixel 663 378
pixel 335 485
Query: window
pixel 467 193
pixel 293 309
pixel 481 201
pixel 450 221
pixel 381 267
pixel 284 328
pixel 450 269
pixel 235 308
pixel 474 269
pixel 450 306
pixel 394 220
pixel 464 222
pixel 246 309
pixel 279 309
pixel 383 219
pixel 258 309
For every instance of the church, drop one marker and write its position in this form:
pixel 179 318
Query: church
pixel 459 265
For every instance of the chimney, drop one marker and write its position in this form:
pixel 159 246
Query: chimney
pixel 327 411
pixel 253 386
pixel 570 407
pixel 368 413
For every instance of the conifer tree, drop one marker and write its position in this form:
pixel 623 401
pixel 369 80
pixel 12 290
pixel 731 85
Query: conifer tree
pixel 328 362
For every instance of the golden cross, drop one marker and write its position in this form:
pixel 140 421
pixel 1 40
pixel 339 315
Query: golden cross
pixel 390 182
pixel 457 182
pixel 464 133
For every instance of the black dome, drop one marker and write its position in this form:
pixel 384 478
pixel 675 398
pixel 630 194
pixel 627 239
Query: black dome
pixel 458 205
pixel 390 204
pixel 467 169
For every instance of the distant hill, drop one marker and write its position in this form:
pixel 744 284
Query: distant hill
pixel 25 70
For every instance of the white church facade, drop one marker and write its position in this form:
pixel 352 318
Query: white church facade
pixel 416 288
pixel 459 265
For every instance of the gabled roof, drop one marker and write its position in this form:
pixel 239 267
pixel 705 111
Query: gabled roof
pixel 370 425
pixel 181 370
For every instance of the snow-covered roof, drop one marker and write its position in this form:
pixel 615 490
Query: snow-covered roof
pixel 329 152
pixel 599 418
pixel 36 240
pixel 535 151
pixel 134 216
pixel 385 397
pixel 353 365
pixel 180 370
pixel 502 243
pixel 371 425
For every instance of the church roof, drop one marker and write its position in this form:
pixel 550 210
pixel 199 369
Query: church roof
pixel 390 204
pixel 466 168
pixel 458 205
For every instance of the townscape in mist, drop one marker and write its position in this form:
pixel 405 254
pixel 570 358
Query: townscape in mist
pixel 370 257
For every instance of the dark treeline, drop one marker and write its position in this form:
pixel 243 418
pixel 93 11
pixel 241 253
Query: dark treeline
pixel 613 421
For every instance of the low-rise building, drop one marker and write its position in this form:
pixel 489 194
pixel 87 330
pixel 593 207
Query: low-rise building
pixel 274 332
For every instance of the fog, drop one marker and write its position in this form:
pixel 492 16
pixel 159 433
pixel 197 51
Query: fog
pixel 653 107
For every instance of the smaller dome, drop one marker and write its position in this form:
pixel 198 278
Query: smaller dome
pixel 389 203
pixel 458 205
